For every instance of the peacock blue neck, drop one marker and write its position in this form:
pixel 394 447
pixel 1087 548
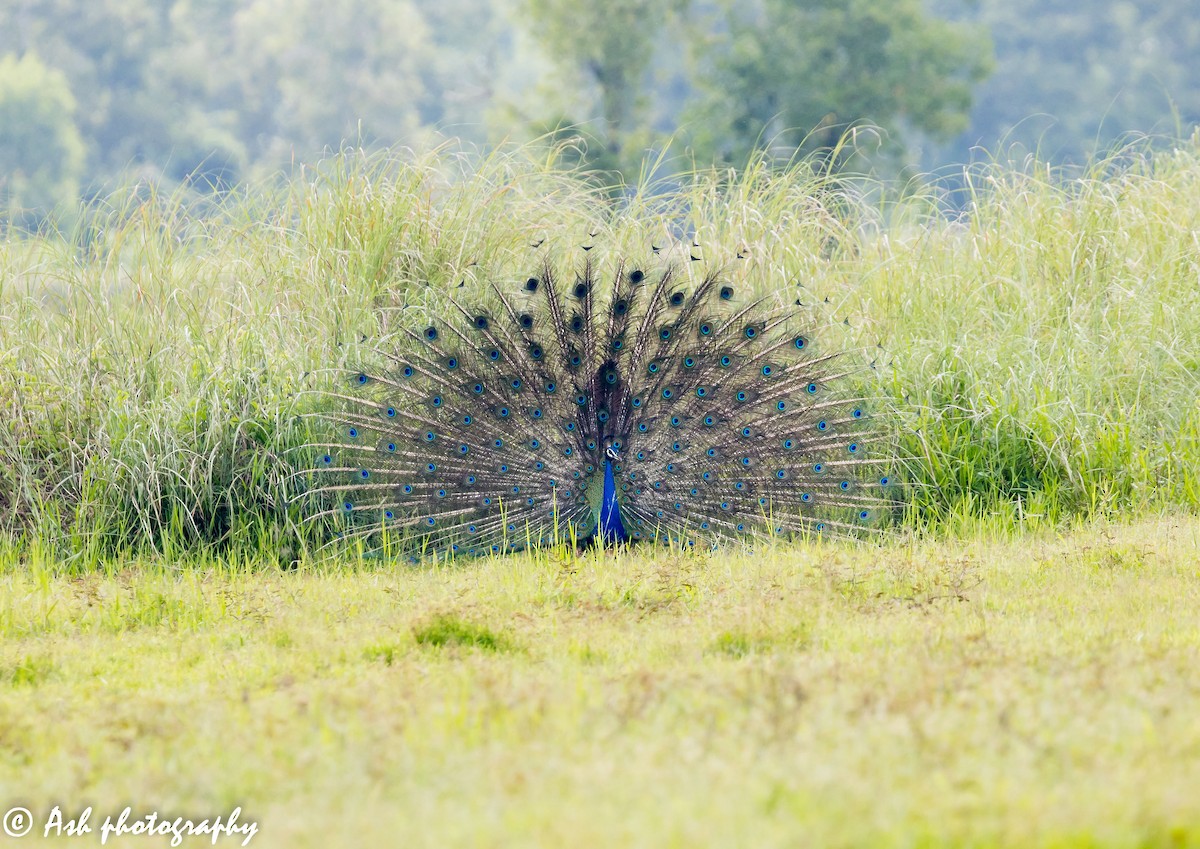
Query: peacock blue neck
pixel 611 529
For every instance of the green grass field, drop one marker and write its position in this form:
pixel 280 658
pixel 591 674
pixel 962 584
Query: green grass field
pixel 1038 692
pixel 1012 663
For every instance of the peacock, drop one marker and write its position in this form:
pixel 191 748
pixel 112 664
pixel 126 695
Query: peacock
pixel 600 403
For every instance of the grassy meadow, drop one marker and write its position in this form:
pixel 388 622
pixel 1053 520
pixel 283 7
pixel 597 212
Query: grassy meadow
pixel 1038 692
pixel 1010 664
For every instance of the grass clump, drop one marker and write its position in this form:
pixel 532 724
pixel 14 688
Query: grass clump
pixel 449 630
pixel 384 653
pixel 28 671
pixel 741 643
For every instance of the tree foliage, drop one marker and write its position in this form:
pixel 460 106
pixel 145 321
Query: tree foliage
pixel 203 89
pixel 41 152
pixel 793 75
pixel 306 74
pixel 1071 79
pixel 604 52
pixel 210 91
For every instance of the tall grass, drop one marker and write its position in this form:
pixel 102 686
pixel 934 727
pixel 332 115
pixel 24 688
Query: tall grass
pixel 1036 356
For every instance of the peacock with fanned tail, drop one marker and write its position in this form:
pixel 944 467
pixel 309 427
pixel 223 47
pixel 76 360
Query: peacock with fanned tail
pixel 644 409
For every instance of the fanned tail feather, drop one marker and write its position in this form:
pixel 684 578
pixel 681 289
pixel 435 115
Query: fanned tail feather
pixel 493 427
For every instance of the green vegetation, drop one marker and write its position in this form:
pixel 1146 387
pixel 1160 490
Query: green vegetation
pixel 1037 360
pixel 783 77
pixel 1072 81
pixel 41 152
pixel 208 94
pixel 975 692
pixel 793 77
pixel 446 630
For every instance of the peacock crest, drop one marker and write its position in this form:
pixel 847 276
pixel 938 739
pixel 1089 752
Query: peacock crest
pixel 576 405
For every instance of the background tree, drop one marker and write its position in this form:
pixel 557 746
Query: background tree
pixel 211 91
pixel 175 89
pixel 105 48
pixel 41 152
pixel 794 75
pixel 604 54
pixel 1072 79
pixel 277 80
